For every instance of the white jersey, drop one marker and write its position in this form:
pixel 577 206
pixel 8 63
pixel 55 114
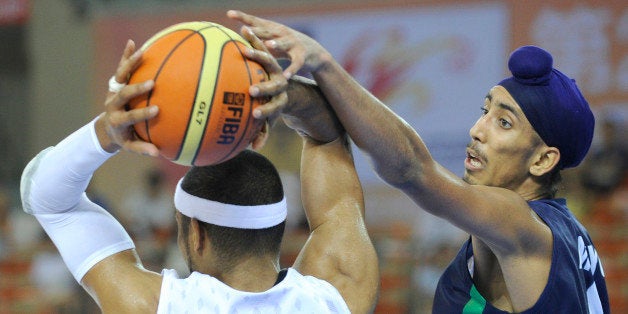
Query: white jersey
pixel 201 293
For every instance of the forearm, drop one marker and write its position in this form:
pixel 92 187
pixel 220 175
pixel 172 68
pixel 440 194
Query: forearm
pixel 53 190
pixel 395 148
pixel 309 113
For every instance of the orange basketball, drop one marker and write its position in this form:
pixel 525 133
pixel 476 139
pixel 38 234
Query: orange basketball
pixel 201 88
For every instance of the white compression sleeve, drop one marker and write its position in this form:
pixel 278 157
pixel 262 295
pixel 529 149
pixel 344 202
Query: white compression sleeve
pixel 53 190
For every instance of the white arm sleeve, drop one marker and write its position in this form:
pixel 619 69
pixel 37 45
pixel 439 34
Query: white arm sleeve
pixel 53 190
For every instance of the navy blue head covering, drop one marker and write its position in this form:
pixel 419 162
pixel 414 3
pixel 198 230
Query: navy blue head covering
pixel 552 103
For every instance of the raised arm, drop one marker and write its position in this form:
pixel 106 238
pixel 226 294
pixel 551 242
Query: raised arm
pixel 95 247
pixel 339 249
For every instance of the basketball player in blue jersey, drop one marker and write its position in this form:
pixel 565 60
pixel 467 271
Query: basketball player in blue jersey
pixel 230 218
pixel 526 252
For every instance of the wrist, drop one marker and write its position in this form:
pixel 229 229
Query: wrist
pixel 103 137
pixel 326 61
pixel 299 95
pixel 308 112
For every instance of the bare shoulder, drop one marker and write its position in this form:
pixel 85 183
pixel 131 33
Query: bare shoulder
pixel 120 284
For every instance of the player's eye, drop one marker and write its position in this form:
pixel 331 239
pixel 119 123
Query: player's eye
pixel 505 123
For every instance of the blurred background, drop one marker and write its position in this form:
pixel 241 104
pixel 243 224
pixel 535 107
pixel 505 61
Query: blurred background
pixel 432 62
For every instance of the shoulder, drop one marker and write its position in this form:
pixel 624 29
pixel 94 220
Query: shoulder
pixel 173 285
pixel 558 204
pixel 121 284
pixel 195 291
pixel 313 290
pixel 557 216
pixel 310 282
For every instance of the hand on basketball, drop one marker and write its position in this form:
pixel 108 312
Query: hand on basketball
pixel 275 88
pixel 305 53
pixel 114 126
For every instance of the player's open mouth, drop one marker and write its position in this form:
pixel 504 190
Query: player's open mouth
pixel 472 162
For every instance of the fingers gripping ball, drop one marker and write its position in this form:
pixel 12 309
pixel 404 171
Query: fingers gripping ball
pixel 201 87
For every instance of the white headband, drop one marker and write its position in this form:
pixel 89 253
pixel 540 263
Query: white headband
pixel 229 215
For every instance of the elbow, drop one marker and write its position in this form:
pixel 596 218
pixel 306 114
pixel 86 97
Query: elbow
pixel 27 182
pixel 400 160
pixel 402 173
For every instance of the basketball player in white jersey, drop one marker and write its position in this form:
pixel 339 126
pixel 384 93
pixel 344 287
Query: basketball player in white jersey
pixel 230 219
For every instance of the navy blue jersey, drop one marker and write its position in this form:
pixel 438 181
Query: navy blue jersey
pixel 576 281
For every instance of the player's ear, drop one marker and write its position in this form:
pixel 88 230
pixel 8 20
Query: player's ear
pixel 196 236
pixel 545 161
pixel 262 136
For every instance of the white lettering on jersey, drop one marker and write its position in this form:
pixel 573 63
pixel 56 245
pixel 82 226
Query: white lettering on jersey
pixel 589 260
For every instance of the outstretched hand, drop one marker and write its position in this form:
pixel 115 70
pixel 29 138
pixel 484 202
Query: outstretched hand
pixel 304 53
pixel 114 127
pixel 306 110
pixel 275 88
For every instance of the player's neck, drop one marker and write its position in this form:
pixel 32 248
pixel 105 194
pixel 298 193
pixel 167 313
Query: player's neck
pixel 530 190
pixel 252 275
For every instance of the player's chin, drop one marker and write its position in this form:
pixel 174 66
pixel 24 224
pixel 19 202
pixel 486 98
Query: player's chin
pixel 468 177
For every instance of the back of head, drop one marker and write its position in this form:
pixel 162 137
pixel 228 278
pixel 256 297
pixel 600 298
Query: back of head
pixel 240 204
pixel 246 179
pixel 552 103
